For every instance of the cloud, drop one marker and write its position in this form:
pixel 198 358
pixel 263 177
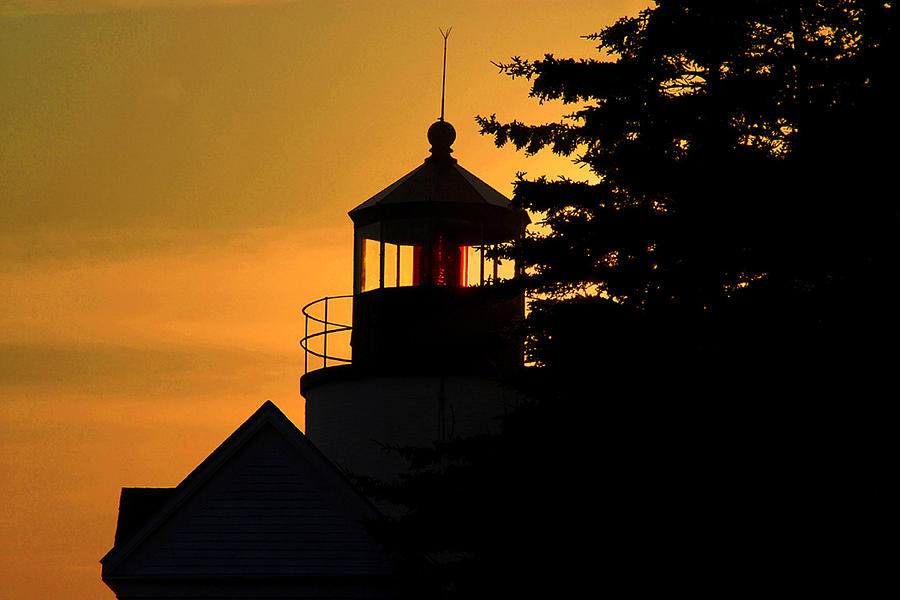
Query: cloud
pixel 139 371
pixel 19 251
pixel 17 8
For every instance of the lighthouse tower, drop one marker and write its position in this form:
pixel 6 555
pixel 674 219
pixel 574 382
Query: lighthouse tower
pixel 431 334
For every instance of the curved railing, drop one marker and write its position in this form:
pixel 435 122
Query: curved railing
pixel 328 327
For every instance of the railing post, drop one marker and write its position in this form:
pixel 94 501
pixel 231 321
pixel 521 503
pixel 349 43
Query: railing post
pixel 305 343
pixel 325 337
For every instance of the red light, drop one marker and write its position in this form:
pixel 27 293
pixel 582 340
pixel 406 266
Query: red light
pixel 463 266
pixel 444 265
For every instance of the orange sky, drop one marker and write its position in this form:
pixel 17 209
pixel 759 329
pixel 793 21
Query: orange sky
pixel 174 182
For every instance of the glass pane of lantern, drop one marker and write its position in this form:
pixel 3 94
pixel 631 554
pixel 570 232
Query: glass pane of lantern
pixel 441 264
pixel 406 265
pixel 390 265
pixel 464 266
pixel 473 260
pixel 373 250
pixel 445 263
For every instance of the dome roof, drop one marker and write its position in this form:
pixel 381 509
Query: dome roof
pixel 441 188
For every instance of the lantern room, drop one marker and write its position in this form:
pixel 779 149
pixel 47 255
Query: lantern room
pixel 432 226
pixel 421 281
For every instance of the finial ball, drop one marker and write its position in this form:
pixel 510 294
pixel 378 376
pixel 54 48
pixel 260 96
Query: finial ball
pixel 441 135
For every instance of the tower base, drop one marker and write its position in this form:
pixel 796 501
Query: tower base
pixel 353 419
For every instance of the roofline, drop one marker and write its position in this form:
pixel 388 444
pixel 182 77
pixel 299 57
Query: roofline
pixel 387 189
pixel 477 185
pixel 267 413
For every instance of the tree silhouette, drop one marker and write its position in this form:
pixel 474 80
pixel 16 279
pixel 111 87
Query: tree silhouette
pixel 705 312
pixel 734 149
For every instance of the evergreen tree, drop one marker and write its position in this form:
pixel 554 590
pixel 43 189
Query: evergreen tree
pixel 703 315
pixel 736 160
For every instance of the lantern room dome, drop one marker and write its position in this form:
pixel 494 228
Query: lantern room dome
pixel 441 189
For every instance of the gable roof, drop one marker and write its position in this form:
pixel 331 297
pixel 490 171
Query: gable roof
pixel 265 503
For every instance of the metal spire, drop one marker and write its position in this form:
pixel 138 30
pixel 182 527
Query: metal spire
pixel 444 73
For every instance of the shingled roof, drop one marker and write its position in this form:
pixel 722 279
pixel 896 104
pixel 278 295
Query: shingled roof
pixel 265 511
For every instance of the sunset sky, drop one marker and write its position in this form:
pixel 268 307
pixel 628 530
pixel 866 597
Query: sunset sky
pixel 175 177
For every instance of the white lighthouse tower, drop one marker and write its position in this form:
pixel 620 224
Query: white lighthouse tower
pixel 431 333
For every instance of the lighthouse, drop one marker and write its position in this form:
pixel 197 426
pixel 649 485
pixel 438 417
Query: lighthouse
pixel 431 339
pixel 432 336
pixel 432 333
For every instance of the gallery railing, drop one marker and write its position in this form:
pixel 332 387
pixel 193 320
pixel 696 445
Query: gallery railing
pixel 328 328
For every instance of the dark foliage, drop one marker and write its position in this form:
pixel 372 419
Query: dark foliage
pixel 739 155
pixel 712 315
